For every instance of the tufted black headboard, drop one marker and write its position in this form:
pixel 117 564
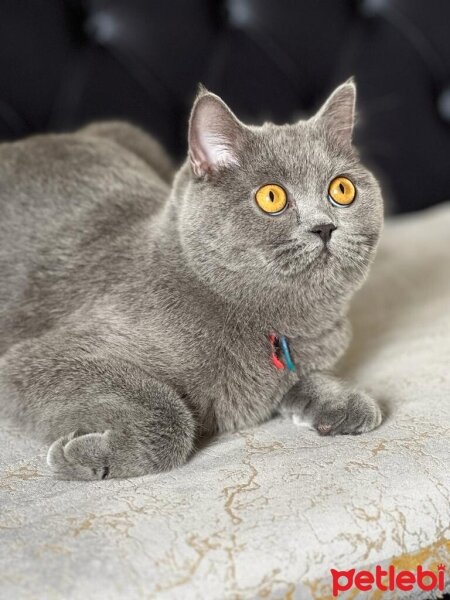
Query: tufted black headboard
pixel 66 62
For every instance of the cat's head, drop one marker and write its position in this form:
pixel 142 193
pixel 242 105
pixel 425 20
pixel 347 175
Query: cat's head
pixel 278 207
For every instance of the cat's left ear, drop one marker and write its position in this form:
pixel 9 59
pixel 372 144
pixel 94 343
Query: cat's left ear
pixel 338 112
pixel 215 135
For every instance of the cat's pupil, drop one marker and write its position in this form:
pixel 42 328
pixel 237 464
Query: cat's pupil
pixel 271 196
pixel 342 188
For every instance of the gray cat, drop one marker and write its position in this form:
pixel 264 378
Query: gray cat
pixel 138 316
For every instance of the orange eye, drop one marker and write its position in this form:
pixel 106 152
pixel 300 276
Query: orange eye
pixel 341 191
pixel 271 198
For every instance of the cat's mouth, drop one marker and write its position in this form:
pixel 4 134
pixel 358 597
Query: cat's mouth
pixel 293 258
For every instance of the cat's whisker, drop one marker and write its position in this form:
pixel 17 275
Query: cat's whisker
pixel 281 244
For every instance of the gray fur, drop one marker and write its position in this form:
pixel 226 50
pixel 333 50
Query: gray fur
pixel 134 314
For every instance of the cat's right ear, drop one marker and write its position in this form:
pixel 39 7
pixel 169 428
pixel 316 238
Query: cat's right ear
pixel 338 112
pixel 214 135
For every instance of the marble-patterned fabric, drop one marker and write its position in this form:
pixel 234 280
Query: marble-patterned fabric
pixel 267 512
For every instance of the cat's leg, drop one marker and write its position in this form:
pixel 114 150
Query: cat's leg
pixel 330 406
pixel 136 438
pixel 103 417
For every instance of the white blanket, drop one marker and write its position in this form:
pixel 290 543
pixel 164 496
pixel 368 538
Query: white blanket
pixel 267 513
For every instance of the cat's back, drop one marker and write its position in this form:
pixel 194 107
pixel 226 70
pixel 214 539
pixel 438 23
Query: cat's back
pixel 57 192
pixel 48 178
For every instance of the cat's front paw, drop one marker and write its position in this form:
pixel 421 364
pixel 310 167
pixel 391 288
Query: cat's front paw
pixel 80 456
pixel 355 413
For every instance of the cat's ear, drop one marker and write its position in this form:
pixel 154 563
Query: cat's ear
pixel 338 112
pixel 214 134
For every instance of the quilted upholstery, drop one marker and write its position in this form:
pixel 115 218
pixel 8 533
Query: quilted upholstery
pixel 65 62
pixel 267 512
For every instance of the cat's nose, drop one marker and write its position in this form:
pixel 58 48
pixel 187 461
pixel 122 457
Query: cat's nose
pixel 324 231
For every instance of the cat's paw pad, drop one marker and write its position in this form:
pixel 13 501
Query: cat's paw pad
pixel 358 414
pixel 80 456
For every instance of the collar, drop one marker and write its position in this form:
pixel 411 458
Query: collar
pixel 281 355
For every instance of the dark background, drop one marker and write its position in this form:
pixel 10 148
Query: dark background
pixel 66 62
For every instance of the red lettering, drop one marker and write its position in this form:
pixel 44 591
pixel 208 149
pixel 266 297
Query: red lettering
pixel 339 587
pixel 421 575
pixel 379 574
pixel 364 581
pixel 405 581
pixel 441 583
pixel 391 577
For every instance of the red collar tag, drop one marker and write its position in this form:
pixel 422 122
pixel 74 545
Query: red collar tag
pixel 281 354
pixel 274 356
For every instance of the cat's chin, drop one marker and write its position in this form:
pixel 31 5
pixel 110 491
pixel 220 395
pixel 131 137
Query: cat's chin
pixel 324 266
pixel 295 272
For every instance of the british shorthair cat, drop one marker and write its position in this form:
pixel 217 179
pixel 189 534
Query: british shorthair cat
pixel 139 314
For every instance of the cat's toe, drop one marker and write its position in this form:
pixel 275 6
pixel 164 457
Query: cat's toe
pixel 359 414
pixel 363 414
pixel 80 456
